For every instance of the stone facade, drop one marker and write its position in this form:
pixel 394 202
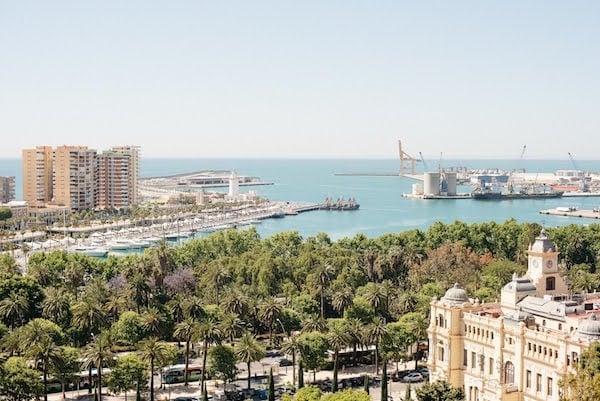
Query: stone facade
pixel 517 349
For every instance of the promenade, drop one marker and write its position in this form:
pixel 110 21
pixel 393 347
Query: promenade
pixel 281 375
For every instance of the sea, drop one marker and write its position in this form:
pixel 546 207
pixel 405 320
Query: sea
pixel 383 209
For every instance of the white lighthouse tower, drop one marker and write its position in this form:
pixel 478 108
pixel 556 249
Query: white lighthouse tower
pixel 234 186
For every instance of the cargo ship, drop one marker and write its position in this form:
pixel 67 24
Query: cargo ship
pixel 486 193
pixel 340 204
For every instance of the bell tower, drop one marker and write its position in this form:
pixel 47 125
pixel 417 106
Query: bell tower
pixel 542 266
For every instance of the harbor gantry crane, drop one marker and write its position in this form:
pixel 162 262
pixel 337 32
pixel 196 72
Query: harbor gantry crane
pixel 406 157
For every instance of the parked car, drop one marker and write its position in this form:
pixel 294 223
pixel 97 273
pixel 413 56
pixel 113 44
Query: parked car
pixel 285 362
pixel 424 372
pixel 413 377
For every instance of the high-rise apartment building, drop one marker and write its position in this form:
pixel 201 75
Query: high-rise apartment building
pixel 37 176
pixel 74 177
pixel 7 189
pixel 79 178
pixel 134 170
pixel 113 172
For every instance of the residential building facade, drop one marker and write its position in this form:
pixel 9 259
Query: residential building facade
pixel 79 178
pixel 517 349
pixel 37 175
pixel 7 189
pixel 73 177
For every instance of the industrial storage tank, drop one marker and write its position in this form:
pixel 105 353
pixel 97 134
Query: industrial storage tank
pixel 450 183
pixel 431 184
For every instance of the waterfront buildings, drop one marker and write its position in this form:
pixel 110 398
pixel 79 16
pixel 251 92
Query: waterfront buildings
pixel 37 176
pixel 79 178
pixel 7 189
pixel 517 349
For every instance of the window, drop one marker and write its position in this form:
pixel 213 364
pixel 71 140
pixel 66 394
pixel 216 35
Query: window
pixel 549 388
pixel 465 357
pixel 538 382
pixel 441 353
pixel 509 373
pixel 528 379
pixel 491 366
pixel 550 283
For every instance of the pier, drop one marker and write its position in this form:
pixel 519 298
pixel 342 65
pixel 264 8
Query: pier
pixel 573 212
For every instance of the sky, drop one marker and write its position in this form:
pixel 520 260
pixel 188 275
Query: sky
pixel 296 79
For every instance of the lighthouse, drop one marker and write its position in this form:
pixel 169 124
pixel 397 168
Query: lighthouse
pixel 234 186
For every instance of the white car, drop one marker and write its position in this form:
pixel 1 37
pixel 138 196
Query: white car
pixel 413 377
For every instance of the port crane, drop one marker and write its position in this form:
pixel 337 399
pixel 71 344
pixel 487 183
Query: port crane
pixel 573 161
pixel 424 163
pixel 406 157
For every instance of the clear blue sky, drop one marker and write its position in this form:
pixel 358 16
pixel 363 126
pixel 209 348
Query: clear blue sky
pixel 302 78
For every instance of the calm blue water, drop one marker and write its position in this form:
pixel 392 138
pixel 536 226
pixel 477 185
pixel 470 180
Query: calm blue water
pixel 382 210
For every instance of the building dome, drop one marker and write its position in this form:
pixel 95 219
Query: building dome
pixel 542 243
pixel 589 328
pixel 456 295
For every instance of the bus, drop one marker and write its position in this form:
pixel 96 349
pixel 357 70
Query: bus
pixel 175 373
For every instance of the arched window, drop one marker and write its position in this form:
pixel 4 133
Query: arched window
pixel 509 373
pixel 550 283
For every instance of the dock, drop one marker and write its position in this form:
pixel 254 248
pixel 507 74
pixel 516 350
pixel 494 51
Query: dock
pixel 444 197
pixel 573 212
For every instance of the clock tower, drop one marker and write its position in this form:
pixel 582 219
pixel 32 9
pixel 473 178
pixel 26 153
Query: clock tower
pixel 542 267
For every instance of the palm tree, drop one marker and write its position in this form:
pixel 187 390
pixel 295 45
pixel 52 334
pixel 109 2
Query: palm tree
pixel 175 306
pixel 338 339
pixel 193 308
pixel 269 311
pixel 218 275
pixel 249 350
pixel 65 365
pixel 322 277
pixel 139 285
pixel 56 305
pixel 14 308
pixel 39 338
pixel 163 259
pixel 290 347
pixel 235 302
pixel 115 304
pixel 46 351
pixel 376 332
pixel 188 331
pixel 152 321
pixel 313 322
pixel 232 326
pixel 210 332
pixel 74 276
pixel 341 299
pixel 376 297
pixel 96 354
pixel 88 315
pixel 153 351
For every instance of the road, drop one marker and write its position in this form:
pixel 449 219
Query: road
pixel 282 376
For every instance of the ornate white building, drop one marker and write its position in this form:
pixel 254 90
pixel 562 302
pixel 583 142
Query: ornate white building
pixel 520 348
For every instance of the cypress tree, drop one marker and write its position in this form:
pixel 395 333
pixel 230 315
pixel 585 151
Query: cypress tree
pixel 384 382
pixel 300 375
pixel 366 384
pixel 271 386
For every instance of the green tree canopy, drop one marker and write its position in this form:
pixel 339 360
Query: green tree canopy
pixel 439 391
pixel 18 382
